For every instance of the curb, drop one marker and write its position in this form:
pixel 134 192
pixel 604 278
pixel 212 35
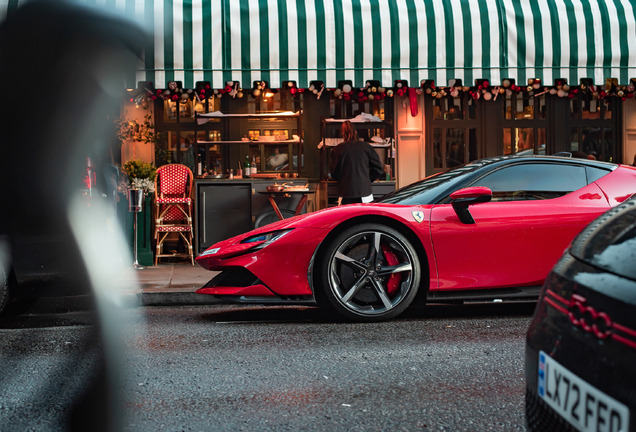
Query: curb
pixel 86 302
pixel 176 299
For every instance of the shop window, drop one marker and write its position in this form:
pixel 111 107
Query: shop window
pixel 507 141
pixel 209 135
pixel 278 158
pixel 213 104
pixel 607 111
pixel 183 110
pixel 186 149
pixel 594 143
pixel 540 111
pixel 593 128
pixel 518 107
pixel 279 135
pixel 541 141
pixel 591 108
pixel 453 132
pixel 280 100
pixel 473 153
pixel 454 146
pixel 534 181
pixel 586 107
pixel 186 111
pixel 268 153
pixel 524 124
pixel 450 108
pixel 524 141
pixel 342 109
pixel 438 157
pixel 169 111
pixel 209 153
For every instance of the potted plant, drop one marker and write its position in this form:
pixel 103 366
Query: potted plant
pixel 139 175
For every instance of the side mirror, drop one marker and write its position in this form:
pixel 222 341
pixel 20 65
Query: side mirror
pixel 463 198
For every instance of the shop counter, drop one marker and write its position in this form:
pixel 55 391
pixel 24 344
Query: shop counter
pixel 224 208
pixel 330 191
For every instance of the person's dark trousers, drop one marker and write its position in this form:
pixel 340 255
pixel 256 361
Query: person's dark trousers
pixel 351 201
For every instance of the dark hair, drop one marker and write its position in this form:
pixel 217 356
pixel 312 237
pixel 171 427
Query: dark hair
pixel 348 132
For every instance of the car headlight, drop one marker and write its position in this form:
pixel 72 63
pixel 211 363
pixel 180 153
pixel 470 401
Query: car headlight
pixel 265 238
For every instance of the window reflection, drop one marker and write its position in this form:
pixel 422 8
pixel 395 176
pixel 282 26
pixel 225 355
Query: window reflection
pixel 169 111
pixel 437 148
pixel 186 110
pixel 507 141
pixel 455 147
pixel 524 141
pixel 518 107
pixel 277 158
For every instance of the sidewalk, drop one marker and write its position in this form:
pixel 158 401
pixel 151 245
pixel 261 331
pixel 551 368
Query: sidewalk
pixel 169 284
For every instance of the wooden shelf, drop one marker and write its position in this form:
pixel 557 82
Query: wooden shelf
pixel 250 142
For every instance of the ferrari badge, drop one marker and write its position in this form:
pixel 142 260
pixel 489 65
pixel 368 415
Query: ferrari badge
pixel 418 216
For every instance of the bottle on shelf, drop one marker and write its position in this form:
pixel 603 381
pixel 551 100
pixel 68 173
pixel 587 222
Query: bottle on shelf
pixel 254 168
pixel 247 166
pixel 199 165
pixel 231 174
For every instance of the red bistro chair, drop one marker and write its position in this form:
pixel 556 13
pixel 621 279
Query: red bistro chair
pixel 173 201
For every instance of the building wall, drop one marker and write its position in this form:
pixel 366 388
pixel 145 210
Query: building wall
pixel 410 141
pixel 629 137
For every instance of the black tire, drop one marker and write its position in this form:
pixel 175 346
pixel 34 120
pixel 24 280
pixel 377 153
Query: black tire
pixel 369 273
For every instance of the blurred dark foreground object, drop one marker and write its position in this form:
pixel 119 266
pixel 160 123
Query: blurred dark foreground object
pixel 62 71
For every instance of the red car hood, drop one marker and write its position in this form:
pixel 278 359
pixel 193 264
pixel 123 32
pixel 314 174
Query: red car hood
pixel 323 219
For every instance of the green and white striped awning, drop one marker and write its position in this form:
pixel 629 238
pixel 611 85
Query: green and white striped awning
pixel 384 40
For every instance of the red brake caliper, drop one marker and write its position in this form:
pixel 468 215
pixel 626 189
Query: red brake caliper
pixel 395 279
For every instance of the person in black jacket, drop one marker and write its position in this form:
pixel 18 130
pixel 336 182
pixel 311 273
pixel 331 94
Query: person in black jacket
pixel 355 165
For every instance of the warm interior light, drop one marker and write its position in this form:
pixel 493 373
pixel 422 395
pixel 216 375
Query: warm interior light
pixel 268 94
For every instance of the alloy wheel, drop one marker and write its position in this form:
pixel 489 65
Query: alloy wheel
pixel 371 273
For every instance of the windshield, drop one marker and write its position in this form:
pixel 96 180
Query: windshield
pixel 433 188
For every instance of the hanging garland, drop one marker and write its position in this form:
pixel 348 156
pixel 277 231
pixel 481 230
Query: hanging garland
pixel 534 88
pixel 483 90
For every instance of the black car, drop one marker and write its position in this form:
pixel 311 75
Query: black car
pixel 581 345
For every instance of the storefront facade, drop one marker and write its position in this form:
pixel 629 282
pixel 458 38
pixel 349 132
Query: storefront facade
pixel 455 80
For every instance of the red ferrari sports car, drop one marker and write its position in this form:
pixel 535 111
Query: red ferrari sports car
pixel 490 229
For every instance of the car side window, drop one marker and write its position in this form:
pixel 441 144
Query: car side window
pixel 534 181
pixel 594 174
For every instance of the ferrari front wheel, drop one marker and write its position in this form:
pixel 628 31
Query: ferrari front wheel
pixel 370 272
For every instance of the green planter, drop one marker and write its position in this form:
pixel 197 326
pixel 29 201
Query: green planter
pixel 145 254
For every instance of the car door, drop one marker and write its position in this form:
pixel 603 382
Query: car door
pixel 536 210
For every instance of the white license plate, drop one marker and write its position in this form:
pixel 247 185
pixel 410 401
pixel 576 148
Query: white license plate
pixel 585 407
pixel 210 251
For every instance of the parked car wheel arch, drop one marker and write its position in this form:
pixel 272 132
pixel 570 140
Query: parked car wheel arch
pixel 425 280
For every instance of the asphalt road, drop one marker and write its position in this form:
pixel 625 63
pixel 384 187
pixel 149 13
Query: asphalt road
pixel 228 368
